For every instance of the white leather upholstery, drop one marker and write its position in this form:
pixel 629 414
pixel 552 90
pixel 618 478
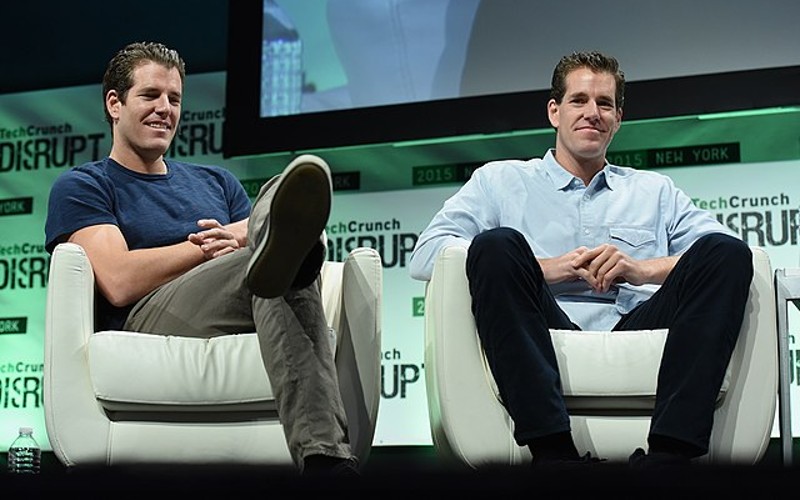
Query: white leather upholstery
pixel 117 397
pixel 177 373
pixel 608 380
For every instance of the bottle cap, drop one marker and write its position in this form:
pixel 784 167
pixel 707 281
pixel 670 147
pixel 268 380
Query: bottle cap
pixel 26 430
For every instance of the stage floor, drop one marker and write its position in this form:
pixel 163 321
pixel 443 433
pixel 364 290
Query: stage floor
pixel 395 472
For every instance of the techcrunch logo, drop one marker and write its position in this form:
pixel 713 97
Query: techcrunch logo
pixel 393 246
pixel 21 248
pixel 354 226
pixel 396 376
pixel 18 270
pixel 200 133
pixel 759 228
pixel 736 201
pixel 23 266
pixel 21 385
pixel 13 326
pixel 34 131
pixel 47 152
pixel 756 218
pixel 201 116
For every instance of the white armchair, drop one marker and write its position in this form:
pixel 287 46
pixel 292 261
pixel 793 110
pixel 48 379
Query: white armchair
pixel 117 397
pixel 608 380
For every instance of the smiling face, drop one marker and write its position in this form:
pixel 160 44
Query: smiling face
pixel 146 118
pixel 586 120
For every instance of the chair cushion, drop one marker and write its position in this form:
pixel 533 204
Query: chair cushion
pixel 613 371
pixel 131 371
pixel 589 360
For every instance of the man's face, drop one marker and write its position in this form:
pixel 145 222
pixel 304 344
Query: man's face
pixel 587 118
pixel 146 123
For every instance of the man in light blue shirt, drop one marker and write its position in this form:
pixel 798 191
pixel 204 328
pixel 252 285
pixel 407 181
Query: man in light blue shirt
pixel 571 242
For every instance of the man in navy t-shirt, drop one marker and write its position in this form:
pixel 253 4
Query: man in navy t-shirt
pixel 176 247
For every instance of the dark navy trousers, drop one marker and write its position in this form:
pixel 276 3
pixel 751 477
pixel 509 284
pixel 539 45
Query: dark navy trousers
pixel 701 302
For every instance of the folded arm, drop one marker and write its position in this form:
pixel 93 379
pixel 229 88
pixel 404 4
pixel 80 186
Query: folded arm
pixel 124 276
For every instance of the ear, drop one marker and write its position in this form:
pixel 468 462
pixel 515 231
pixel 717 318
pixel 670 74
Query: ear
pixel 619 119
pixel 113 103
pixel 552 112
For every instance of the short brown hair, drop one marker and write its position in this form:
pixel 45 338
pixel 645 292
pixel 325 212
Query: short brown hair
pixel 119 73
pixel 595 61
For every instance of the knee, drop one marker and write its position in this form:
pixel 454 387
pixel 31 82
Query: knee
pixel 496 249
pixel 497 245
pixel 496 240
pixel 730 251
pixel 726 246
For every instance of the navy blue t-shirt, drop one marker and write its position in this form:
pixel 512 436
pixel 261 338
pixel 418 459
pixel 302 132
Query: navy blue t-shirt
pixel 150 210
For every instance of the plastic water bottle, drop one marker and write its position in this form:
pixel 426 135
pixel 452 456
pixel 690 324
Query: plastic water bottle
pixel 281 63
pixel 24 454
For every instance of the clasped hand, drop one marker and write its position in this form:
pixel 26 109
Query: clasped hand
pixel 599 267
pixel 216 240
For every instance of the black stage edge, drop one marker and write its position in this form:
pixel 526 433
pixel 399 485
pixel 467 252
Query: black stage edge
pixel 415 471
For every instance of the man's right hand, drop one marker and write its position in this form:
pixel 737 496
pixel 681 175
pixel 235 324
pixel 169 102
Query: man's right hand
pixel 216 240
pixel 124 276
pixel 563 269
pixel 602 266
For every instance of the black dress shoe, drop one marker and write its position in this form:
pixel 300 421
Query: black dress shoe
pixel 584 462
pixel 324 466
pixel 639 460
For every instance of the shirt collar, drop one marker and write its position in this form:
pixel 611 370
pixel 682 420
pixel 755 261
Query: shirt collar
pixel 562 179
pixel 558 174
pixel 610 175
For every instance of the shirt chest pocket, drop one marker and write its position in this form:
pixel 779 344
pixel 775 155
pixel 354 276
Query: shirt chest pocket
pixel 635 241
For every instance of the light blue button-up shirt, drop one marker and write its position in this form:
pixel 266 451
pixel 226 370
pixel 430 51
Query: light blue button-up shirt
pixel 642 213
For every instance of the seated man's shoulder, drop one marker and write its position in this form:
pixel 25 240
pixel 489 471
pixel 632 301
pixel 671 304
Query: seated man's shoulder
pixel 639 174
pixel 209 169
pixel 85 172
pixel 498 167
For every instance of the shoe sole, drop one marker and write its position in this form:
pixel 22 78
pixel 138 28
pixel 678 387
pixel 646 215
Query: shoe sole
pixel 298 215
